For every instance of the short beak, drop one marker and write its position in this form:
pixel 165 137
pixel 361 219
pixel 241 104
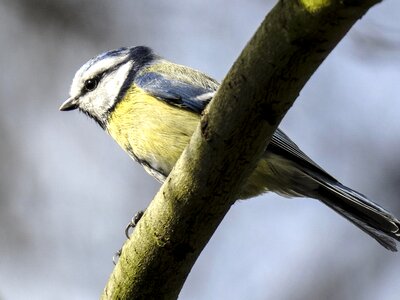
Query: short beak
pixel 69 104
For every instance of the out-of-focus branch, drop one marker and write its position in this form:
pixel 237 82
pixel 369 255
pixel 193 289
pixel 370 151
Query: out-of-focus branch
pixel 290 44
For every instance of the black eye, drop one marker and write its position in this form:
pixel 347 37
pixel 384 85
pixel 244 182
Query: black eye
pixel 91 84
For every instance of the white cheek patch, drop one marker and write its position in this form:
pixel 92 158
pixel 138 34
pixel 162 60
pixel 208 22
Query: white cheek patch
pixel 100 100
pixel 113 83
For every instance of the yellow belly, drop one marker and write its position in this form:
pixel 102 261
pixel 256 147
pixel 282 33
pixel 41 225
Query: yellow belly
pixel 156 133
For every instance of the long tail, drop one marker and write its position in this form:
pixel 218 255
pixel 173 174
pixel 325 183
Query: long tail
pixel 365 214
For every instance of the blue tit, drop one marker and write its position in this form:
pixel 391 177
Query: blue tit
pixel 151 107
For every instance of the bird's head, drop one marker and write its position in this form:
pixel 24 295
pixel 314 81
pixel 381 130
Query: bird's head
pixel 101 82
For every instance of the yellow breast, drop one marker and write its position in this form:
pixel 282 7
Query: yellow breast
pixel 151 131
pixel 156 133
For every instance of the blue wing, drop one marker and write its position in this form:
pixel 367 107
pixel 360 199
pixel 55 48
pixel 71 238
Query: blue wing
pixel 191 96
pixel 195 96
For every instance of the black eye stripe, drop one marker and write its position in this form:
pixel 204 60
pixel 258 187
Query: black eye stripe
pixel 92 83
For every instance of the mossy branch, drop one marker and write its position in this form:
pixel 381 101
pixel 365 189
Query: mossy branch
pixel 290 44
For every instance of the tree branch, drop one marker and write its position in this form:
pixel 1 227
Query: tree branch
pixel 290 44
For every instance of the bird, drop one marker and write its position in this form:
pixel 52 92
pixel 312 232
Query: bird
pixel 151 106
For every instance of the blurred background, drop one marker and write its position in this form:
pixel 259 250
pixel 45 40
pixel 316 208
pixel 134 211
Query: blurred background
pixel 67 190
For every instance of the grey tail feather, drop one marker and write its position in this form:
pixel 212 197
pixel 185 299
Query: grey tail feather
pixel 365 214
